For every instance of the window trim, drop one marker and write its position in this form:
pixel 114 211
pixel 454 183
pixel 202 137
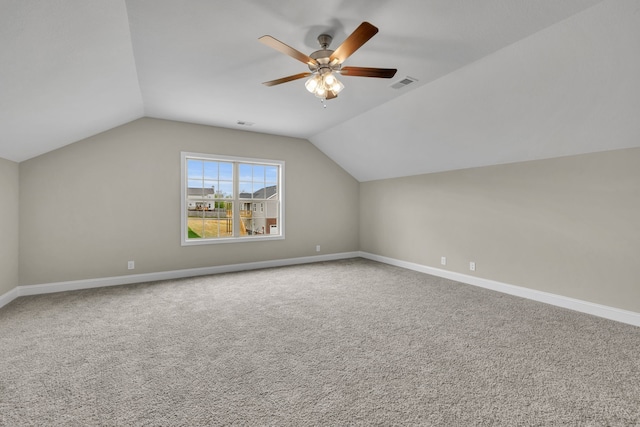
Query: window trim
pixel 185 241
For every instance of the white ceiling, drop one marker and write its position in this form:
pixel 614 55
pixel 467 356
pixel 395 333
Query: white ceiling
pixel 498 80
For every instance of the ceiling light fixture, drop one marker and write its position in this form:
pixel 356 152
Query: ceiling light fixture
pixel 324 86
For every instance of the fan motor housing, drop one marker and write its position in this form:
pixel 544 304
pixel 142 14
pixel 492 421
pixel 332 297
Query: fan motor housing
pixel 322 56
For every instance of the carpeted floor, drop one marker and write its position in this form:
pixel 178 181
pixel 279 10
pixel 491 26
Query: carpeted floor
pixel 350 342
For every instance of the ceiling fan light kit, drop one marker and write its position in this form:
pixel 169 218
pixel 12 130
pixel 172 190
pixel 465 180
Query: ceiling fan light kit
pixel 324 64
pixel 324 86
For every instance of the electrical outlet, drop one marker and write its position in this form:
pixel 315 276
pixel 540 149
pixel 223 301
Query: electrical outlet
pixel 443 260
pixel 131 265
pixel 317 248
pixel 472 266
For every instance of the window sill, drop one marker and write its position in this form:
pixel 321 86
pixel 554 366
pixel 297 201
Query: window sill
pixel 222 240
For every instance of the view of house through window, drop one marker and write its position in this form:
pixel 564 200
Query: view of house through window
pixel 229 198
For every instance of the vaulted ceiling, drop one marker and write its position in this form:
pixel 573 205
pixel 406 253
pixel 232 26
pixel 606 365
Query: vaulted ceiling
pixel 498 81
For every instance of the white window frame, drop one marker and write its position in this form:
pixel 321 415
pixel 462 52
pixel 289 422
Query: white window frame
pixel 185 241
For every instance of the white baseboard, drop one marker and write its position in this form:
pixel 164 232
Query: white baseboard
pixel 7 297
pixel 599 310
pixel 73 285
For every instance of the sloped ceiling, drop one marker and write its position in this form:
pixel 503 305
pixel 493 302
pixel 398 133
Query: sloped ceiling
pixel 498 80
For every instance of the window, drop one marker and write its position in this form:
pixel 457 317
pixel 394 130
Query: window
pixel 231 199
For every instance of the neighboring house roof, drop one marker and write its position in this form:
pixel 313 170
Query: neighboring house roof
pixel 263 193
pixel 199 191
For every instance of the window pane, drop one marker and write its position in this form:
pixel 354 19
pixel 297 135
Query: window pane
pixel 195 183
pixel 258 182
pixel 195 217
pixel 257 191
pixel 225 190
pixel 247 229
pixel 245 172
pixel 245 210
pixel 194 168
pixel 226 227
pixel 246 190
pixel 271 209
pixel 219 205
pixel 257 224
pixel 271 175
pixel 272 220
pixel 218 220
pixel 226 171
pixel 228 213
pixel 195 193
pixel 260 191
pixel 224 212
pixel 243 223
pixel 211 228
pixel 194 210
pixel 258 173
pixel 209 188
pixel 272 191
pixel 211 170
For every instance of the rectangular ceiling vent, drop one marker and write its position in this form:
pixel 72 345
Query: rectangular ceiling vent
pixel 404 82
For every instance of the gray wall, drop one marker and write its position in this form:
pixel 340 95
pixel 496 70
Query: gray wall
pixel 569 226
pixel 89 207
pixel 9 220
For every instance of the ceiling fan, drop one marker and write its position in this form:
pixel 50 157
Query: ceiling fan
pixel 325 63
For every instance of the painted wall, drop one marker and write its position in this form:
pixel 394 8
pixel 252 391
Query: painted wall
pixel 569 226
pixel 88 208
pixel 9 220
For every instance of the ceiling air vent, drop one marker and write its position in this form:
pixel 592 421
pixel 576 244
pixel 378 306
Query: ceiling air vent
pixel 404 82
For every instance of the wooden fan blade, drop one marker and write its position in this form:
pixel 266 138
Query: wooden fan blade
pixel 286 79
pixel 383 73
pixel 287 50
pixel 359 37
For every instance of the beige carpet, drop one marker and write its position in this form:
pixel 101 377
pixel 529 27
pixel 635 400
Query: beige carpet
pixel 350 342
